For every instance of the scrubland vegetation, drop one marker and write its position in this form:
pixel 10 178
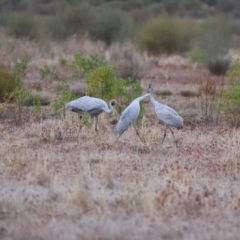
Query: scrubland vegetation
pixel 57 186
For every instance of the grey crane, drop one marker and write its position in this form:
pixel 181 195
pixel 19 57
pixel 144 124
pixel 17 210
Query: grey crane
pixel 166 114
pixel 129 116
pixel 92 106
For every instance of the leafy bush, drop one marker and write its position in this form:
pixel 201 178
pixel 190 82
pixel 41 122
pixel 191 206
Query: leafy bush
pixel 8 82
pixel 21 25
pixel 102 83
pixel 165 36
pixel 109 25
pixel 84 64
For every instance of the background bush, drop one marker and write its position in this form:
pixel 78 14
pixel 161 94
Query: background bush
pixel 164 35
pixel 21 25
pixel 127 62
pixel 110 25
pixel 214 41
pixel 70 21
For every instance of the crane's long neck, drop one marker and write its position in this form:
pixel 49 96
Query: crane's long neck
pixel 142 97
pixel 110 110
pixel 151 95
pixel 153 101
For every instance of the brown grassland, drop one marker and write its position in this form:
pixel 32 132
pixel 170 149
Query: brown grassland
pixel 54 186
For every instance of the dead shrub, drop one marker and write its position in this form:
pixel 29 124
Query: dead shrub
pixel 126 62
pixel 211 100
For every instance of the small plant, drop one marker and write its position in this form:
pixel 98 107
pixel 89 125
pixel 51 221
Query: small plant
pixel 49 73
pixel 19 95
pixel 59 103
pixel 84 64
pixel 20 67
pixel 199 56
pixel 34 99
pixel 232 95
pixel 8 82
pixel 85 120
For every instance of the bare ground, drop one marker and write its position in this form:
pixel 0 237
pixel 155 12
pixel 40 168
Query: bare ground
pixel 54 186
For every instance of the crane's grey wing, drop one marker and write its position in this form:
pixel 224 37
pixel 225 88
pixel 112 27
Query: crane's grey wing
pixel 169 117
pixel 92 106
pixel 128 117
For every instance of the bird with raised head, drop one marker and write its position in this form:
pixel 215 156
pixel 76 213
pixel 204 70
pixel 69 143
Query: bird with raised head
pixel 166 114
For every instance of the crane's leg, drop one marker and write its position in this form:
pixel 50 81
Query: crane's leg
pixel 165 133
pixel 173 136
pixel 96 122
pixel 142 139
pixel 80 126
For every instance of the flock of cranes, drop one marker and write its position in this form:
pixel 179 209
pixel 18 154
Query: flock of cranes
pixel 95 106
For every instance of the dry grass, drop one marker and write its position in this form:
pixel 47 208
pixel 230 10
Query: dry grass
pixel 102 189
pixel 54 186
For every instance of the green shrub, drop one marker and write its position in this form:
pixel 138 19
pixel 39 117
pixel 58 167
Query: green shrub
pixel 19 94
pixel 102 83
pixel 8 82
pixel 198 56
pixel 20 67
pixel 59 103
pixel 33 99
pixel 83 64
pixel 21 25
pixel 232 95
pixel 165 36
